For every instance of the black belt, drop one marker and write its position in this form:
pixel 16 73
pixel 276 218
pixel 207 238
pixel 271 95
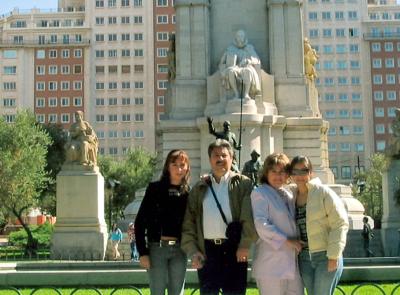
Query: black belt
pixel 216 241
pixel 166 243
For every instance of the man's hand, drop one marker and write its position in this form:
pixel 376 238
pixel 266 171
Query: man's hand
pixel 242 254
pixel 144 261
pixel 198 260
pixel 332 264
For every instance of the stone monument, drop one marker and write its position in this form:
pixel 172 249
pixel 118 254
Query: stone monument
pixel 390 185
pixel 80 231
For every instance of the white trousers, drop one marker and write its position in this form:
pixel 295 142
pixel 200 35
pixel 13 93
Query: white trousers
pixel 275 286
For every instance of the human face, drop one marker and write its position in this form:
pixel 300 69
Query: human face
pixel 277 176
pixel 240 37
pixel 301 174
pixel 177 171
pixel 220 161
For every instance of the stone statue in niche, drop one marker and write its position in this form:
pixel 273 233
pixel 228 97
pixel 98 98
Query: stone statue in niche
pixel 252 167
pixel 228 135
pixel 82 145
pixel 394 146
pixel 171 58
pixel 310 59
pixel 238 67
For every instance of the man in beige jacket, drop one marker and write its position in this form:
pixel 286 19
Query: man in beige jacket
pixel 221 264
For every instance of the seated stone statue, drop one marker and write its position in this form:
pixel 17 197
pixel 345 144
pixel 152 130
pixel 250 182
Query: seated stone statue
pixel 82 144
pixel 394 147
pixel 237 68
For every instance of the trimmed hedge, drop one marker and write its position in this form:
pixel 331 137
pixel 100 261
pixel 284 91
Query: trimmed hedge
pixel 42 234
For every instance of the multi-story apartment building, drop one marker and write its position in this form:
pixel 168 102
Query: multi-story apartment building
pixel 334 28
pixel 95 56
pixel 42 61
pixel 382 34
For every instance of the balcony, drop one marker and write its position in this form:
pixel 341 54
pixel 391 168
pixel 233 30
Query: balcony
pixel 36 43
pixel 381 36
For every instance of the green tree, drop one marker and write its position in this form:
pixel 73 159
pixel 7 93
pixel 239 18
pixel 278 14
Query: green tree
pixel 54 161
pixel 132 173
pixel 368 187
pixel 23 149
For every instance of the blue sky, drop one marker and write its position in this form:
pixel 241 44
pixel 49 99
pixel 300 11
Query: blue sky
pixel 8 5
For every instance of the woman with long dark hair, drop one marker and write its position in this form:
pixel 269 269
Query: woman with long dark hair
pixel 159 221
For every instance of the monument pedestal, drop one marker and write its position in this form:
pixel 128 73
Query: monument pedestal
pixel 80 231
pixel 391 211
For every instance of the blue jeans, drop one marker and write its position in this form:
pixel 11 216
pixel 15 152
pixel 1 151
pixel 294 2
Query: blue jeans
pixel 315 275
pixel 167 269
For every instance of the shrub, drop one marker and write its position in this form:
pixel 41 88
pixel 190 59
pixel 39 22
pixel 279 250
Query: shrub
pixel 42 234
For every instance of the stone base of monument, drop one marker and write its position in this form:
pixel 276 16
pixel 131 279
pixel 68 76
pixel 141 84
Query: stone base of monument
pixel 248 106
pixel 80 231
pixel 391 211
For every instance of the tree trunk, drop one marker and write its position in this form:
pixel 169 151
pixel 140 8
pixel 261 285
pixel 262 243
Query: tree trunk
pixel 31 245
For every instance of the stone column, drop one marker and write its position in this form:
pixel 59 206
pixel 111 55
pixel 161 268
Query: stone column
pixel 192 62
pixel 391 211
pixel 80 231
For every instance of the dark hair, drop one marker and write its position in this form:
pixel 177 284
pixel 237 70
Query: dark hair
pixel 271 161
pixel 365 219
pixel 300 160
pixel 172 156
pixel 220 143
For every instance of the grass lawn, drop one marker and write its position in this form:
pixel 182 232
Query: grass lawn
pixel 379 289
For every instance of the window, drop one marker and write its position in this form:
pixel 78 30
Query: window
pixel 377 79
pixel 126 133
pixel 99 53
pixel 162 2
pixel 376 63
pixel 355 80
pixel 112 20
pixel 40 86
pixel 40 102
pixel 139 52
pixel 389 62
pixel 352 15
pixel 112 53
pixel 327 32
pixel 113 151
pixel 329 114
pixel 329 97
pixel 358 130
pixel 391 95
pixel 77 85
pixel 52 118
pixel 332 131
pixel 53 38
pixel 344 130
pixel 357 113
pixel 341 65
pixel 313 15
pixel 327 49
pixel 64 118
pixel 99 85
pixel 139 134
pixel 354 64
pixel 138 37
pixel 340 33
pixel 9 54
pixel 65 53
pixel 113 118
pixel 326 15
pixel 339 15
pixel 125 20
pixel 112 37
pixel 40 118
pixel 390 79
pixel 64 85
pixel 99 3
pixel 138 68
pixel 99 20
pixel 126 85
pixel 356 96
pixel 137 3
pixel 99 69
pixel 354 48
pixel 125 37
pixel 388 46
pixel 391 112
pixel 344 114
pixel 40 70
pixel 162 19
pixel 99 37
pixel 99 101
pixel 53 53
pixel 139 85
pixel 125 52
pixel 138 100
pixel 378 95
pixel 126 117
pixel 346 172
pixel 138 19
pixel 139 117
pixel 113 134
pixel 379 112
pixel 124 3
pixel 342 81
pixel 329 81
pixel 126 101
pixel 376 47
pixel 162 68
pixel 162 84
pixel 77 101
pixel 9 102
pixel 99 118
pixel 380 145
pixel 341 48
pixel 161 100
pixel 53 70
pixel 112 3
pixel 343 97
pixel 359 147
pixel 125 69
pixel 162 52
pixel 162 36
pixel 65 101
pixel 112 85
pixel 380 128
pixel 328 65
pixel 112 69
pixel 77 53
pixel 18 39
pixel 77 69
pixel 353 32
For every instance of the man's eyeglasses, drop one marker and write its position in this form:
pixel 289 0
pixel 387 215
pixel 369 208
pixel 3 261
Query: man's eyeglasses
pixel 303 171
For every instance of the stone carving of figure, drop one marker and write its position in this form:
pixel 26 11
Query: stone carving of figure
pixel 171 58
pixel 252 167
pixel 394 147
pixel 238 68
pixel 226 134
pixel 82 145
pixel 310 59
